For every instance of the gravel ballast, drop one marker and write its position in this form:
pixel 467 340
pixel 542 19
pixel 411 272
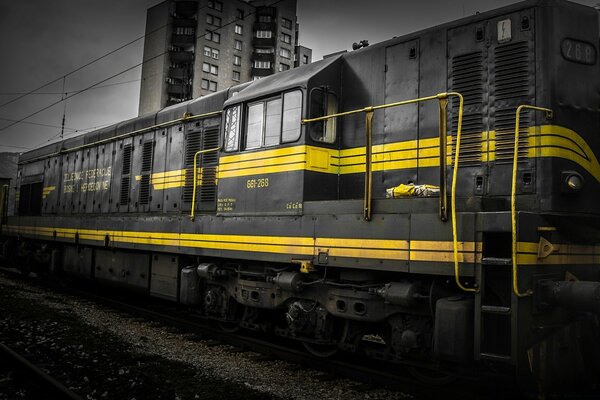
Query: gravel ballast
pixel 103 354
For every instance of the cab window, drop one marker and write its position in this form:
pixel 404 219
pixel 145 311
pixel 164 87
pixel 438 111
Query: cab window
pixel 232 128
pixel 322 103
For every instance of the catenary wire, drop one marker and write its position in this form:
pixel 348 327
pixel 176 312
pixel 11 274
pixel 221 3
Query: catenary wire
pixel 114 75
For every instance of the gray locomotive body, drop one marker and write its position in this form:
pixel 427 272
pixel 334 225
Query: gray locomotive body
pixel 241 205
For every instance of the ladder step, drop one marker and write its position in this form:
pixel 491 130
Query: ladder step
pixel 495 310
pixel 494 357
pixel 496 261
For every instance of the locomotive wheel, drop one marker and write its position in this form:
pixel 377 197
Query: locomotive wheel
pixel 229 327
pixel 320 350
pixel 431 376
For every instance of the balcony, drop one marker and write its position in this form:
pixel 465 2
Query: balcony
pixel 178 73
pixel 262 71
pixel 265 26
pixel 181 57
pixel 264 10
pixel 181 40
pixel 186 8
pixel 263 57
pixel 264 42
pixel 179 89
pixel 184 23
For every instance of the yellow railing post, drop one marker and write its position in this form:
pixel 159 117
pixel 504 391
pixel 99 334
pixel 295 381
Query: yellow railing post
pixel 195 182
pixel 368 165
pixel 443 105
pixel 513 197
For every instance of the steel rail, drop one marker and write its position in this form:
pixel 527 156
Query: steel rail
pixel 55 388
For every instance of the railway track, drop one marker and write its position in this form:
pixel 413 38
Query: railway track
pixel 30 374
pixel 367 373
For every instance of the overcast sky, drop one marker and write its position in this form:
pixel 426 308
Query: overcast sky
pixel 43 40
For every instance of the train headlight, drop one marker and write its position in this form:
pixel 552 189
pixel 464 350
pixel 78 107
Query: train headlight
pixel 572 181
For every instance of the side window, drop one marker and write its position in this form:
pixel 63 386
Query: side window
pixel 292 116
pixel 232 128
pixel 323 102
pixel 274 121
pixel 255 125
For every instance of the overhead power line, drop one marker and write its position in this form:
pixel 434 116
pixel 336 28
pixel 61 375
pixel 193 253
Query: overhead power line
pixel 112 76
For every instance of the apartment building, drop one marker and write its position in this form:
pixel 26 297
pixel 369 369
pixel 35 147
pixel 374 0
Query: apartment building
pixel 194 48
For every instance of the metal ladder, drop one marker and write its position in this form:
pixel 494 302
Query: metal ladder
pixel 495 327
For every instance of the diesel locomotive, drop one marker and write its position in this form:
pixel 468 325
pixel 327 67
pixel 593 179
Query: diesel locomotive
pixel 428 200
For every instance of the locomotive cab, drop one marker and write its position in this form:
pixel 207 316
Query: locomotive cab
pixel 271 163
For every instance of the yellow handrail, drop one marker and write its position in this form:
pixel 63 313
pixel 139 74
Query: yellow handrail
pixel 513 196
pixel 369 110
pixel 453 193
pixel 195 182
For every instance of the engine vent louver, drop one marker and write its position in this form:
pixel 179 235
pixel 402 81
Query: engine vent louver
pixel 125 175
pixel 208 190
pixel 505 134
pixel 147 155
pixel 470 139
pixel 192 146
pixel 468 80
pixel 467 77
pixel 512 72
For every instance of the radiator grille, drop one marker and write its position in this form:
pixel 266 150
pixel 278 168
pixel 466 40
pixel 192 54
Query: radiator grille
pixel 470 139
pixel 192 145
pixel 512 71
pixel 125 178
pixel 467 77
pixel 147 155
pixel 505 134
pixel 208 190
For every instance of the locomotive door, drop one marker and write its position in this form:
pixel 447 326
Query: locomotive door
pixel 201 136
pixel 51 190
pixel 401 128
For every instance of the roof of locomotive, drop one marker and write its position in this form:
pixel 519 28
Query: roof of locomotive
pixel 297 77
pixel 201 105
pixel 280 82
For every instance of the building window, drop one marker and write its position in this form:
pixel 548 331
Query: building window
pixel 236 76
pixel 208 85
pixel 238 29
pixel 180 30
pixel 264 34
pixel 237 45
pixel 237 60
pixel 210 52
pixel 268 50
pixel 264 18
pixel 286 23
pixel 212 20
pixel 215 5
pixel 285 38
pixel 239 14
pixel 209 68
pixel 262 64
pixel 304 59
pixel 285 53
pixel 269 122
pixel 213 36
pixel 283 67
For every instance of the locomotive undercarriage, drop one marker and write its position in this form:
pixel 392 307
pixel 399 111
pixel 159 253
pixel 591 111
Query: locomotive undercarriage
pixel 385 316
